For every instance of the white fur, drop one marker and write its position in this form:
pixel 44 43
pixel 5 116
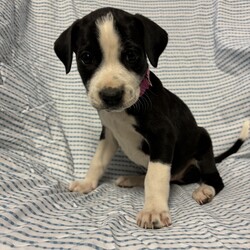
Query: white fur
pixel 155 213
pixel 203 194
pixel 121 126
pixel 103 155
pixel 245 130
pixel 130 181
pixel 111 72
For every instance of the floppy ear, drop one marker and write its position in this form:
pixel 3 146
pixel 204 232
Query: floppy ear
pixel 64 48
pixel 155 39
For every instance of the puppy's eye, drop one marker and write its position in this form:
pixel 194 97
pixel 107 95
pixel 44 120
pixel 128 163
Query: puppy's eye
pixel 87 58
pixel 131 56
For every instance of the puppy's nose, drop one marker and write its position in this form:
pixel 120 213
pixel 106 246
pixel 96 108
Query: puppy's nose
pixel 111 96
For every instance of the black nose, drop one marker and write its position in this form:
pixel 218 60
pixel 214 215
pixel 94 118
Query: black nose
pixel 111 96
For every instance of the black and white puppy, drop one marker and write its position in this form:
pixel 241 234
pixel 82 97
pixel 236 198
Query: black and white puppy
pixel 153 127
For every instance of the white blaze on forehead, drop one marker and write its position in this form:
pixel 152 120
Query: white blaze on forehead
pixel 111 72
pixel 108 38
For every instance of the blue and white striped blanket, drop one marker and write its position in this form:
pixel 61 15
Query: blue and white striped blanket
pixel 48 131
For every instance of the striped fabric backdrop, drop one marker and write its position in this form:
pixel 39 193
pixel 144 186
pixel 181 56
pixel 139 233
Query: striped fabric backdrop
pixel 48 130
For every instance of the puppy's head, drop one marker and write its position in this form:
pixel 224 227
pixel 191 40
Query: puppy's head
pixel 111 48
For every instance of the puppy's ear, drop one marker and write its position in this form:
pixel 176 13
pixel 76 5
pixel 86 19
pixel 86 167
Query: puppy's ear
pixel 155 39
pixel 63 47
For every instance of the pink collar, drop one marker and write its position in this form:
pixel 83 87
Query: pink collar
pixel 145 83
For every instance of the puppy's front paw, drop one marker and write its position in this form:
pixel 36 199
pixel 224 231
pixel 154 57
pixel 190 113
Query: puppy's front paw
pixel 153 219
pixel 203 194
pixel 83 186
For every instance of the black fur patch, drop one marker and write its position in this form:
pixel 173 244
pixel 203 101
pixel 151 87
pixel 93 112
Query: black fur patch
pixel 213 180
pixel 102 135
pixel 145 147
pixel 191 175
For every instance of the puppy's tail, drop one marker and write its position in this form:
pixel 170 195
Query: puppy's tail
pixel 243 136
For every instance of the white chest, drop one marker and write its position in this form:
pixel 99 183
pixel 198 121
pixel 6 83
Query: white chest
pixel 130 141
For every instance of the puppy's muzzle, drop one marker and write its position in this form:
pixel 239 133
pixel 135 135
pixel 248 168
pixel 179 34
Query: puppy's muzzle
pixel 112 97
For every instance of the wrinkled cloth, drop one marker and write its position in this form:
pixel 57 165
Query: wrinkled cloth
pixel 49 131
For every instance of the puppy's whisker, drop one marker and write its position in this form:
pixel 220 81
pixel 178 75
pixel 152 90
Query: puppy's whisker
pixel 149 100
pixel 145 102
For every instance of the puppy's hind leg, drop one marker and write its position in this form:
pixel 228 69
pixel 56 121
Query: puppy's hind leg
pixel 211 182
pixel 190 174
pixel 130 181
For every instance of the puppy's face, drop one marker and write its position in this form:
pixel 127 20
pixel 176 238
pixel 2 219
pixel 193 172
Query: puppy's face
pixel 111 61
pixel 111 47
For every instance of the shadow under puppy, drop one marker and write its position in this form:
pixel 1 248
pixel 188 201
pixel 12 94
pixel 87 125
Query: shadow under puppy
pixel 153 127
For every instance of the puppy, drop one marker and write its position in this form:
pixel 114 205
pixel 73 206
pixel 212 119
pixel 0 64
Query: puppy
pixel 152 126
